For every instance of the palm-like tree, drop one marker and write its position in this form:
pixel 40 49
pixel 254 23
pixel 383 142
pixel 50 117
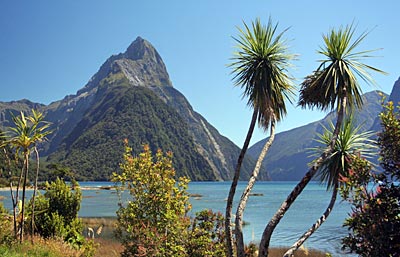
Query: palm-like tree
pixel 333 85
pixel 260 66
pixel 23 137
pixel 351 143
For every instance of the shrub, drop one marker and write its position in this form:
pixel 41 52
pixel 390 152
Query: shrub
pixel 206 235
pixel 374 222
pixel 153 221
pixel 6 227
pixel 56 214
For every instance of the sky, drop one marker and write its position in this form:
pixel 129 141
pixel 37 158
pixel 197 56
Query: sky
pixel 50 49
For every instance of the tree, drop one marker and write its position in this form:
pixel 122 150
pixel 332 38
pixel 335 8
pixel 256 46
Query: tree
pixel 153 221
pixel 333 85
pixel 260 66
pixel 23 137
pixel 374 221
pixel 57 213
pixel 351 144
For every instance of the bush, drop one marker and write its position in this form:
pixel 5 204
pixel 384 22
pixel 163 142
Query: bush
pixel 153 222
pixel 6 227
pixel 56 214
pixel 206 235
pixel 374 223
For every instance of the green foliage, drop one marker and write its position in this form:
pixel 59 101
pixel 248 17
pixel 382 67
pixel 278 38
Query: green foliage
pixel 6 234
pixel 206 236
pixel 336 76
pixel 153 221
pixel 351 143
pixel 375 219
pixel 261 67
pixel 389 141
pixel 56 213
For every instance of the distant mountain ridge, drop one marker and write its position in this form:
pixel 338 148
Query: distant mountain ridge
pixel 288 157
pixel 131 96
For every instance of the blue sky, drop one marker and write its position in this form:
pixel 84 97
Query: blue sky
pixel 49 49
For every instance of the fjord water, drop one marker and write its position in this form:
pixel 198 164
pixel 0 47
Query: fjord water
pixel 260 208
pixel 302 214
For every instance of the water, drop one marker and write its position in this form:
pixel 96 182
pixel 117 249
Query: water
pixel 302 214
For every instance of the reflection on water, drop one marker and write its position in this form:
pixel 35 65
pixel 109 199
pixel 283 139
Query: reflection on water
pixel 260 208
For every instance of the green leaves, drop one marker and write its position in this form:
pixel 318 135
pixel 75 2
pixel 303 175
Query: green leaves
pixel 260 66
pixel 374 221
pixel 27 131
pixel 350 144
pixel 153 220
pixel 337 75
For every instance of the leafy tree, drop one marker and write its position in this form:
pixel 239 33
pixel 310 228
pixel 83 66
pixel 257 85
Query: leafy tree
pixel 260 67
pixel 57 213
pixel 375 219
pixel 333 85
pixel 351 144
pixel 153 221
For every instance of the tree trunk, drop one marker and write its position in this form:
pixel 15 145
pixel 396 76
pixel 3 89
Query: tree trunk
pixel 269 229
pixel 246 192
pixel 34 194
pixel 13 199
pixel 316 225
pixel 228 214
pixel 21 235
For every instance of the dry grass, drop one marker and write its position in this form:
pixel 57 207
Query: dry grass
pixel 280 251
pixel 40 247
pixel 108 248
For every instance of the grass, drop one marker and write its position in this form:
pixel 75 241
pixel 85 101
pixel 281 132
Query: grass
pixel 40 248
pixel 106 248
pixel 280 251
pixel 107 245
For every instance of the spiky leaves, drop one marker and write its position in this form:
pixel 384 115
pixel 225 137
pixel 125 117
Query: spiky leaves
pixel 27 131
pixel 261 66
pixel 23 137
pixel 337 75
pixel 351 143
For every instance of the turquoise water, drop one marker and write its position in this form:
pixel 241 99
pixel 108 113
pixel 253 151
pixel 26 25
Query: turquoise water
pixel 303 213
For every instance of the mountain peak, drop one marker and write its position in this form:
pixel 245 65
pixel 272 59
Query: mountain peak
pixel 140 64
pixel 395 95
pixel 142 49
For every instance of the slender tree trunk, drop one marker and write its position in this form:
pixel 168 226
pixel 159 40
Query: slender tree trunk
pixel 14 202
pixel 17 194
pixel 34 194
pixel 246 192
pixel 228 214
pixel 316 225
pixel 21 236
pixel 269 229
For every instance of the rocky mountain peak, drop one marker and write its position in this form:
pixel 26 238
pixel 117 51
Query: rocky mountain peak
pixel 395 95
pixel 140 64
pixel 142 49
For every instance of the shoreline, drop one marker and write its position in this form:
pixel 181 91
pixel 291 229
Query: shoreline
pixel 3 189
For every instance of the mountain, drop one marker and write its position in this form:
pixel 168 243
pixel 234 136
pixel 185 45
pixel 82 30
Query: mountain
pixel 288 157
pixel 395 94
pixel 131 97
